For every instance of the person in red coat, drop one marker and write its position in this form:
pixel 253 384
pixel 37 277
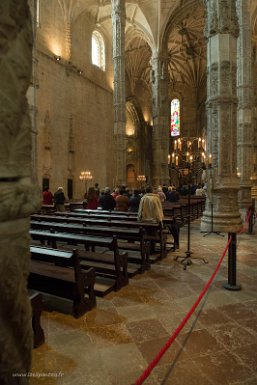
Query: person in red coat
pixel 47 197
pixel 92 201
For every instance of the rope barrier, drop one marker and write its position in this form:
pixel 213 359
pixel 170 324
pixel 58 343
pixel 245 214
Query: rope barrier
pixel 176 332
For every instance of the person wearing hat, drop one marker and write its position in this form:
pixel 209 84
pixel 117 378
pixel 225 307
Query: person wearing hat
pixel 59 199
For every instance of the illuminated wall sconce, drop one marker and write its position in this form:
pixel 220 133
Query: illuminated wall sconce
pixel 57 58
pixel 80 72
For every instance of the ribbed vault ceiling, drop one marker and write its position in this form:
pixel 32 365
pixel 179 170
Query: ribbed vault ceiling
pixel 186 45
pixel 187 50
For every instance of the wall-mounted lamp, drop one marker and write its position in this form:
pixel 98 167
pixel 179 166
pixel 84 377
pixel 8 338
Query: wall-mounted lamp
pixel 57 58
pixel 80 72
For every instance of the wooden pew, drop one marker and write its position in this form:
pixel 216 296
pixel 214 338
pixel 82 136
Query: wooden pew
pixel 110 267
pixel 149 227
pixel 58 272
pixel 131 221
pixel 130 239
pixel 36 309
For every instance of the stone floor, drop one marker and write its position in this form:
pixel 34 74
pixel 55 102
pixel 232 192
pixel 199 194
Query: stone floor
pixel 114 343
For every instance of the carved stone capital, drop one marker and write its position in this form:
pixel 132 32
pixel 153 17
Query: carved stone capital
pixel 221 18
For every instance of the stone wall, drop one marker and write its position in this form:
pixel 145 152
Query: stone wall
pixel 75 104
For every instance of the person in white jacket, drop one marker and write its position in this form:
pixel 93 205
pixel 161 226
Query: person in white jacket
pixel 150 207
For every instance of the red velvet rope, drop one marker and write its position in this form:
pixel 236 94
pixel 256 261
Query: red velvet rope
pixel 176 332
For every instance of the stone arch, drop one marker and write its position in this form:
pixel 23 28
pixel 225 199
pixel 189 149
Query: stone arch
pixel 131 175
pixel 137 142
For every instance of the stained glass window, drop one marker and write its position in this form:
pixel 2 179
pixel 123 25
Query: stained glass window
pixel 175 117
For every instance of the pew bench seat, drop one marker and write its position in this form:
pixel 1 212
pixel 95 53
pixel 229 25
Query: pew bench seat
pixel 58 273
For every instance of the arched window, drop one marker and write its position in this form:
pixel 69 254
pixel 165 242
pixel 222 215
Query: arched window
pixel 98 50
pixel 175 117
pixel 37 16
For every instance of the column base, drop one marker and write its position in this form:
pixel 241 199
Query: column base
pixel 220 223
pixel 227 286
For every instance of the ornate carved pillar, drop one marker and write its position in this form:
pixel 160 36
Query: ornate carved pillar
pixel 160 81
pixel 119 91
pixel 245 132
pixel 222 181
pixel 32 90
pixel 18 197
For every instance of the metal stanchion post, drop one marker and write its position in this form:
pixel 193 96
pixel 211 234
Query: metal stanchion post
pixel 231 284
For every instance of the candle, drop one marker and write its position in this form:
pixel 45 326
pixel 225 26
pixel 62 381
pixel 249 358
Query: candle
pixel 187 156
pixel 203 157
pixel 173 157
pixel 199 142
pixel 175 145
pixel 176 160
pixel 169 159
pixel 210 159
pixel 191 159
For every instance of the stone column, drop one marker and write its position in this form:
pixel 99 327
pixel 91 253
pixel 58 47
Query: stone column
pixel 32 90
pixel 119 91
pixel 161 119
pixel 18 197
pixel 222 181
pixel 245 132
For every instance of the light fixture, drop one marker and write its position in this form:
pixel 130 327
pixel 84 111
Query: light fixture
pixel 141 179
pixel 85 176
pixel 57 57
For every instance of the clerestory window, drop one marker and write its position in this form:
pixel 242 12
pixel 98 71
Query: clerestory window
pixel 98 50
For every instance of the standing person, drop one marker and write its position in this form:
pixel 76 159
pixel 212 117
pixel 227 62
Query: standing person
pixel 199 192
pixel 161 194
pixel 150 207
pixel 59 199
pixel 92 200
pixel 47 197
pixel 106 201
pixel 97 190
pixel 122 202
pixel 172 195
pixel 116 192
pixel 134 201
